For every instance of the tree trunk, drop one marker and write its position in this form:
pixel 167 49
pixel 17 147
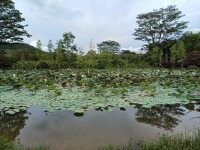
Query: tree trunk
pixel 182 65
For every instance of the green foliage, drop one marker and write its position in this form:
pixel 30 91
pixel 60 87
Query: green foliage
pixel 178 52
pixel 159 25
pixel 65 51
pixel 6 144
pixel 50 46
pixel 156 55
pixel 109 46
pixel 10 18
pixel 178 142
pixel 159 28
pixel 76 89
pixel 166 142
pixel 191 41
pixel 13 52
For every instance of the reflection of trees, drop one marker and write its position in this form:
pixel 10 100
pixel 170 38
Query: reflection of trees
pixel 10 125
pixel 162 116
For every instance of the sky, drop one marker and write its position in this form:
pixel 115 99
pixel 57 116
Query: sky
pixel 96 20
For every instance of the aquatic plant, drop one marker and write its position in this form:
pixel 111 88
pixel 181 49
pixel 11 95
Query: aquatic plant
pixel 81 90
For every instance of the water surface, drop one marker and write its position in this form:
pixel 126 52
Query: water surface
pixel 64 130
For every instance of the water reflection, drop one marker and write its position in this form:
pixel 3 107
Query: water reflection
pixel 79 114
pixel 161 116
pixel 96 128
pixel 10 125
pixel 190 106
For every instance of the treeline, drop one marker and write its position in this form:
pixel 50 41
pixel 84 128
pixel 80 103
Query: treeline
pixel 65 54
pixel 183 52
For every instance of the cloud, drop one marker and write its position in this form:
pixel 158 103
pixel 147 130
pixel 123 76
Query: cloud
pixel 195 30
pixel 34 43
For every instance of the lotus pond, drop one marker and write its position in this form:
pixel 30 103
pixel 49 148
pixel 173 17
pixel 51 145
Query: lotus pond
pixel 87 109
pixel 82 90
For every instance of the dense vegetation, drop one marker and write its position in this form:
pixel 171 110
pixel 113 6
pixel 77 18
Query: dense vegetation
pixel 7 144
pixel 185 52
pixel 81 90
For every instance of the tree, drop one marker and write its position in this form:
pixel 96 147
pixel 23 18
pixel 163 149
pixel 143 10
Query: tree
pixel 159 25
pixel 156 55
pixel 110 46
pixel 39 44
pixel 178 53
pixel 91 54
pixel 70 48
pixel 65 51
pixel 191 41
pixel 68 42
pixel 91 46
pixel 10 18
pixel 60 52
pixel 50 46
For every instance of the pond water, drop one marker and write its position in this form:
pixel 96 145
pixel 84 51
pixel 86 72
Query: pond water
pixel 98 128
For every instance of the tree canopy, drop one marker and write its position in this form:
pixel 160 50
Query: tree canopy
pixel 11 28
pixel 159 25
pixel 111 46
pixel 191 41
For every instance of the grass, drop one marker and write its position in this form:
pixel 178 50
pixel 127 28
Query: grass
pixel 6 144
pixel 166 142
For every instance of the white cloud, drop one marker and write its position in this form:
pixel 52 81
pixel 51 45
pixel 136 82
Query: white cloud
pixel 34 43
pixel 195 30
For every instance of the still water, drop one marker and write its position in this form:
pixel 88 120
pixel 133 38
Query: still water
pixel 64 130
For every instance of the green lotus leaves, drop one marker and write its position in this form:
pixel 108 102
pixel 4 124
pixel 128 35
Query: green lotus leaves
pixel 10 112
pixel 86 90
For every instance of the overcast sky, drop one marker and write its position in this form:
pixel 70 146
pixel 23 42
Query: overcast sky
pixel 96 20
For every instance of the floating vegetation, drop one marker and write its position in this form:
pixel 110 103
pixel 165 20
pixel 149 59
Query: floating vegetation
pixel 81 90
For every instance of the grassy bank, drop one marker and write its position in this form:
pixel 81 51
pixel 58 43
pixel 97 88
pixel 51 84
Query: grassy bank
pixel 6 144
pixel 166 142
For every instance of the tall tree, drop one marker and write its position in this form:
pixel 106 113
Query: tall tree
pixel 91 54
pixel 50 46
pixel 159 25
pixel 39 44
pixel 11 28
pixel 110 46
pixel 160 28
pixel 91 46
pixel 68 42
pixel 60 52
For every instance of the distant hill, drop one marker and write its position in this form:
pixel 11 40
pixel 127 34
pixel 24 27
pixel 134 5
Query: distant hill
pixel 16 46
pixel 10 53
